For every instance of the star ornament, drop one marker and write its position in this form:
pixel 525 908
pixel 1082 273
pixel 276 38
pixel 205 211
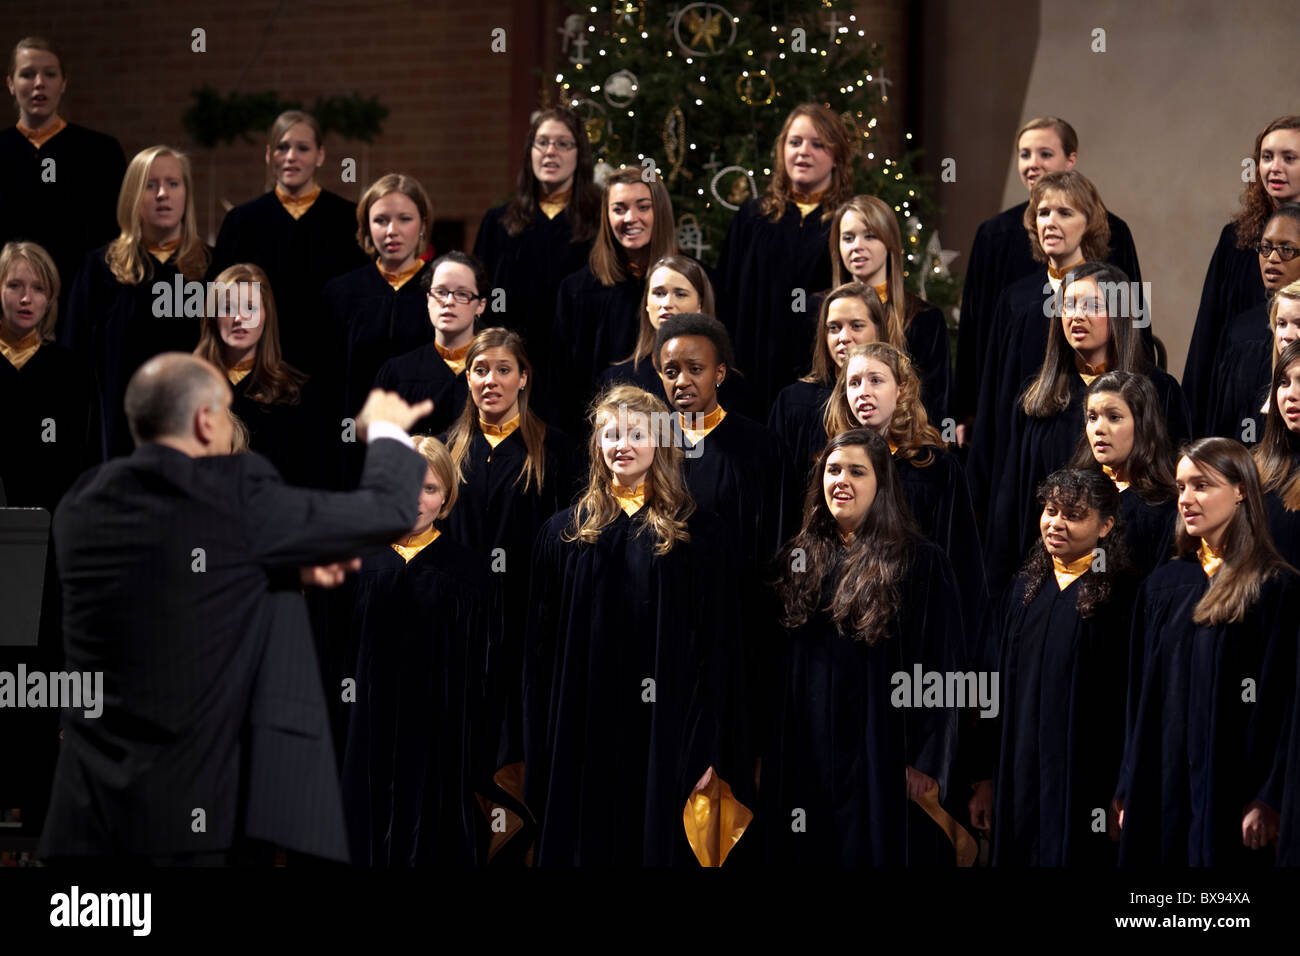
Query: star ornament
pixel 704 28
pixel 939 257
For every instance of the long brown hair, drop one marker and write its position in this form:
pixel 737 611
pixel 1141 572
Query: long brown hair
pixel 46 272
pixel 693 273
pixel 272 380
pixel 668 502
pixel 880 219
pixel 583 209
pixel 1275 455
pixel 1083 196
pixel 869 570
pixel 824 370
pixel 1089 488
pixel 831 129
pixel 909 427
pixel 1256 204
pixel 608 260
pixel 531 426
pixel 128 258
pixel 1249 557
pixel 1150 465
pixel 1049 393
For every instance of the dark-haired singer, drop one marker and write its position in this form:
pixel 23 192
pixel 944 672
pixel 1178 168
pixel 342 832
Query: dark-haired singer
pixel 180 582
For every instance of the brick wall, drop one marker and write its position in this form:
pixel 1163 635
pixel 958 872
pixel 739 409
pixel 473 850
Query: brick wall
pixel 458 112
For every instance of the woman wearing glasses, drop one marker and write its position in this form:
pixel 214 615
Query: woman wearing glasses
pixel 1232 282
pixel 454 287
pixel 1239 398
pixel 544 232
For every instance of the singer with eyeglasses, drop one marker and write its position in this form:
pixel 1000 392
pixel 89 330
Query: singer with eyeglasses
pixel 455 288
pixel 1252 342
pixel 1231 281
pixel 544 232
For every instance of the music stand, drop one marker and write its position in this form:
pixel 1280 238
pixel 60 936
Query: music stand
pixel 24 540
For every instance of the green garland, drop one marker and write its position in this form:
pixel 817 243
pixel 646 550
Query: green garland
pixel 214 119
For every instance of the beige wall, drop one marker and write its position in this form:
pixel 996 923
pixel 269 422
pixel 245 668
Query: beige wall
pixel 1165 117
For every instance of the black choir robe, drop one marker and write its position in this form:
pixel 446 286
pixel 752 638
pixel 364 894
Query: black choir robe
pixel 70 207
pixel 769 274
pixel 419 743
pixel 737 472
pixel 797 420
pixel 939 499
pixel 43 458
pixel 422 374
pixel 596 326
pixel 1036 447
pixel 1283 525
pixel 1000 255
pixel 926 338
pixel 298 438
pixel 1196 752
pixel 529 268
pixel 372 323
pixel 612 759
pixel 839 747
pixel 1249 326
pixel 1063 681
pixel 1232 285
pixel 497 522
pixel 116 328
pixel 1242 378
pixel 299 256
pixel 1148 529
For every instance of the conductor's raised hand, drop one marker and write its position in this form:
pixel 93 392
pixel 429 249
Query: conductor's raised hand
pixel 384 406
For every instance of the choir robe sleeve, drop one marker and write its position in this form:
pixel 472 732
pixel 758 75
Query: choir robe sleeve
pixel 596 326
pixel 737 471
pixel 927 345
pixel 770 272
pixel 1232 285
pixel 979 295
pixel 840 754
pixel 1173 403
pixel 422 374
pixel 1061 723
pixel 625 712
pixel 939 499
pixel 51 397
pixel 1001 381
pixel 1241 383
pixel 796 420
pixel 1148 529
pixel 295 437
pixel 1200 748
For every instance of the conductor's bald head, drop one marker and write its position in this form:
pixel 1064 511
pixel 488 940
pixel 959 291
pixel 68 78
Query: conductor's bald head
pixel 180 400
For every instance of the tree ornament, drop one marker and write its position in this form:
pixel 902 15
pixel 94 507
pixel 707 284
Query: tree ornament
pixel 674 137
pixel 620 88
pixel 706 23
pixel 737 191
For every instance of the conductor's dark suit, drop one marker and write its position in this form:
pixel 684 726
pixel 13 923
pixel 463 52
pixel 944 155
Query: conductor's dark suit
pixel 180 584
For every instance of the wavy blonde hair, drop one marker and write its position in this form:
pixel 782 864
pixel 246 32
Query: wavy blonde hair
pixel 909 427
pixel 128 258
pixel 668 502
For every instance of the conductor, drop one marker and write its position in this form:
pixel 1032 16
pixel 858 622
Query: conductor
pixel 180 566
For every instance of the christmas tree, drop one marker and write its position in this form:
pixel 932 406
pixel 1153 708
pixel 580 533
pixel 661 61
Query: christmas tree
pixel 699 91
